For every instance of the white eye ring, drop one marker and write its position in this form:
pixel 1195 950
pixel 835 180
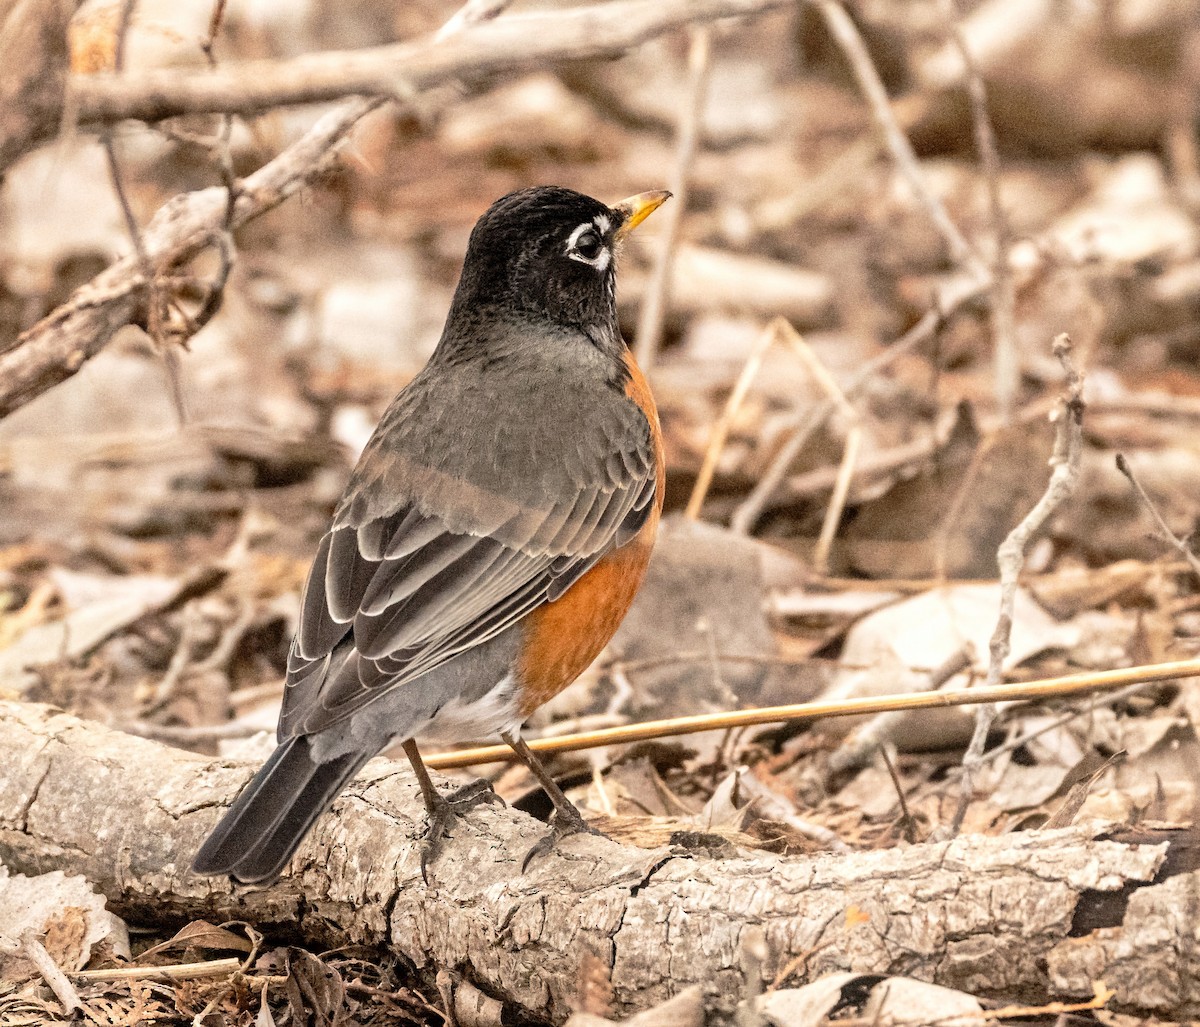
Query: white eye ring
pixel 602 259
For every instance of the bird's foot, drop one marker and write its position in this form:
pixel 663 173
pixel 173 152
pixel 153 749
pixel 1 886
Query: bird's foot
pixel 567 821
pixel 445 811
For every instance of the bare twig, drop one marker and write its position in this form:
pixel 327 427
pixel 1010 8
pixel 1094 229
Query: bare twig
pixel 1065 461
pixel 907 822
pixel 155 302
pixel 58 345
pixel 841 484
pixel 33 950
pixel 1161 529
pixel 1093 704
pixel 720 432
pixel 164 691
pixel 781 331
pixel 170 972
pixel 224 239
pixel 511 43
pixel 1051 688
pixel 189 734
pixel 844 31
pixel 746 516
pixel 657 297
pixel 1006 360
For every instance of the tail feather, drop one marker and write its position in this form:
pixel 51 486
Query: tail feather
pixel 274 812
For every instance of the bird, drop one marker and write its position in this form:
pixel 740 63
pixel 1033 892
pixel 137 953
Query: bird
pixel 489 541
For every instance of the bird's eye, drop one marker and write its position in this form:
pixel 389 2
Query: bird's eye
pixel 589 245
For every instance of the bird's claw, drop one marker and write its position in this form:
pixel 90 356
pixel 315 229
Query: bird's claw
pixel 449 809
pixel 563 825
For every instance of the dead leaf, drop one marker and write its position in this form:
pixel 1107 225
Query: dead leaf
pixel 315 992
pixel 201 935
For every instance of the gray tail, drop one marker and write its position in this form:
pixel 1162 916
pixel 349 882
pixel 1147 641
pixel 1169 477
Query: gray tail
pixel 267 821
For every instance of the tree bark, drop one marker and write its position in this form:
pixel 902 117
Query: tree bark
pixel 992 916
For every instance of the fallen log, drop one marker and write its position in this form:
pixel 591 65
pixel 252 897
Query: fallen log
pixel 987 915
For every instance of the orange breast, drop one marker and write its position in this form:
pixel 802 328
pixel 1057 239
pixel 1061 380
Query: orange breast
pixel 562 638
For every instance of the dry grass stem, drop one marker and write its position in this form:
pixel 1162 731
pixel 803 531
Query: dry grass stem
pixel 837 500
pixel 748 512
pixel 721 428
pixel 781 331
pixel 720 432
pixel 171 972
pixel 1050 688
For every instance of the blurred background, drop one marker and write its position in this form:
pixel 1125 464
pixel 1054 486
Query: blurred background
pixel 161 506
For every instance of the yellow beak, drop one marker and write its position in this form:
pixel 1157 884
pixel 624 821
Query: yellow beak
pixel 637 208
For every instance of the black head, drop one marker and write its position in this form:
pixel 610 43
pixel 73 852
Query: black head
pixel 549 253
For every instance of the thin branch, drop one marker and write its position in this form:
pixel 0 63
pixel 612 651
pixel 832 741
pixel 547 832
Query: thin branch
pixel 511 43
pixel 1093 704
pixel 1006 361
pixel 58 345
pixel 947 301
pixel 226 247
pixel 33 950
pixel 1162 529
pixel 170 972
pixel 1029 691
pixel 1065 461
pixel 908 823
pixel 658 290
pixel 155 302
pixel 844 31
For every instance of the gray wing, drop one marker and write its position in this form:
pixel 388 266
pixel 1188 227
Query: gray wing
pixel 397 589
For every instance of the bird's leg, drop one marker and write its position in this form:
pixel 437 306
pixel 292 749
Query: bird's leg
pixel 443 810
pixel 567 819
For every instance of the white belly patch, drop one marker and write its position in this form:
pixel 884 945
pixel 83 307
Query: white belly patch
pixel 484 718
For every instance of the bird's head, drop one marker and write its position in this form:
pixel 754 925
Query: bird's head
pixel 549 253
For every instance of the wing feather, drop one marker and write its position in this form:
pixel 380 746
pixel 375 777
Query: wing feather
pixel 396 590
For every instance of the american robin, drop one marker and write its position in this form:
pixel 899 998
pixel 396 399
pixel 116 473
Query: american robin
pixel 491 537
